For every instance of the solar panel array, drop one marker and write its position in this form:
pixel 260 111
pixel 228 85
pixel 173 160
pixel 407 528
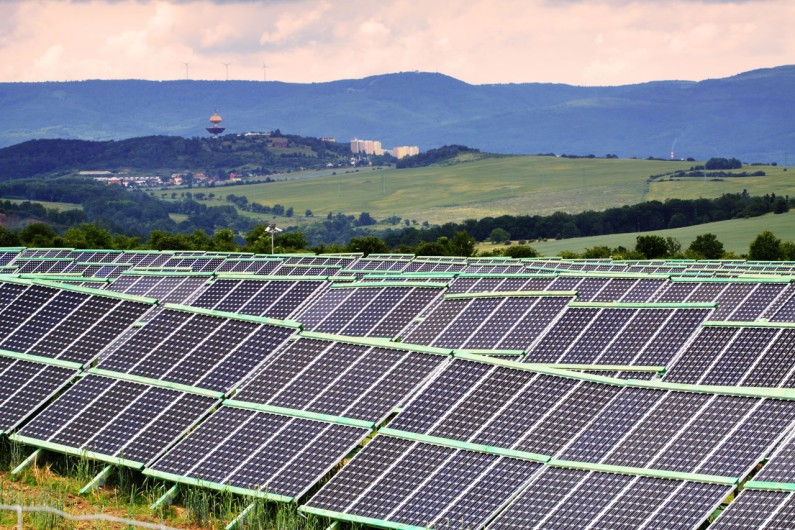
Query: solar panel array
pixel 458 393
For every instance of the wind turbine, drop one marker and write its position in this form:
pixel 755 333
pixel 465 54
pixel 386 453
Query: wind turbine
pixel 227 70
pixel 264 72
pixel 186 70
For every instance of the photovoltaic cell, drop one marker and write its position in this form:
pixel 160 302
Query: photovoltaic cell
pixel 25 386
pixel 260 451
pixel 118 418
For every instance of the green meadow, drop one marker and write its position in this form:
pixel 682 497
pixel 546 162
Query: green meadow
pixel 502 185
pixel 736 235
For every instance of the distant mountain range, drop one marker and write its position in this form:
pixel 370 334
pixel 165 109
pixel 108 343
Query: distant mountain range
pixel 750 116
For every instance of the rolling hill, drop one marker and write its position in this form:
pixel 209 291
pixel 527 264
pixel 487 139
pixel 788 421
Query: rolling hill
pixel 748 115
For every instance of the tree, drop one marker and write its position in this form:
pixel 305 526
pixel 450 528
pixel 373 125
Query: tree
pixel 290 241
pixel 367 245
pixel 652 247
pixel 88 235
pixel 707 245
pixel 223 241
pixel 520 251
pixel 499 235
pixel 462 244
pixel 766 247
pixel 8 238
pixel 598 252
pixel 38 235
pixel 365 219
pixel 673 246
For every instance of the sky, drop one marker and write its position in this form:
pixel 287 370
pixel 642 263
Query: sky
pixel 577 42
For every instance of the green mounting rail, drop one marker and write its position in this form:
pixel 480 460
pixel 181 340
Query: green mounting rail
pixel 157 383
pixel 731 279
pixel 615 275
pixel 39 359
pixel 12 249
pixel 367 521
pixel 264 278
pixel 430 285
pixel 7 278
pixel 166 273
pixel 468 446
pixel 375 343
pixel 234 316
pixel 736 391
pixel 389 257
pixel 601 367
pixel 96 292
pixel 297 413
pixel 509 294
pixel 528 275
pixel 754 324
pixel 171 477
pixel 66 278
pixel 540 368
pixel 769 486
pixel 251 260
pixel 645 305
pixel 429 275
pixel 44 259
pixel 643 472
pixel 501 353
pixel 65 449
pixel 102 264
pixel 310 266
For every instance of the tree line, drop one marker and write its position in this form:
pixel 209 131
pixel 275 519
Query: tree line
pixel 642 217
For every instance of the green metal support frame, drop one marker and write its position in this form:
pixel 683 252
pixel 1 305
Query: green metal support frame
pixel 98 481
pixel 67 450
pixel 179 479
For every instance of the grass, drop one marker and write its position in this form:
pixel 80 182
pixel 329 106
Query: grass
pixel 60 206
pixel 504 185
pixel 736 235
pixel 56 481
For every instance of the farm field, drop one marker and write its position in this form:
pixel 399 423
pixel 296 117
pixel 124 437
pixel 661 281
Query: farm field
pixel 504 185
pixel 60 206
pixel 735 235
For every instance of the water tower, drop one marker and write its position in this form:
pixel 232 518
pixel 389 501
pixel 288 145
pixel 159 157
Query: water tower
pixel 215 129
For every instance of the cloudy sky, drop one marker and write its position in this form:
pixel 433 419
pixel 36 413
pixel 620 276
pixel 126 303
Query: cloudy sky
pixel 581 42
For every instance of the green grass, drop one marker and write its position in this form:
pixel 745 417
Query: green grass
pixel 56 481
pixel 736 235
pixel 502 185
pixel 60 206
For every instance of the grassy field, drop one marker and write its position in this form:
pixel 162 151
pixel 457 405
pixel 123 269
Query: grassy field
pixel 736 235
pixel 60 206
pixel 56 481
pixel 504 185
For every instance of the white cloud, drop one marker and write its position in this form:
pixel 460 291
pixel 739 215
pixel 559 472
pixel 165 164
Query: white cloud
pixel 479 41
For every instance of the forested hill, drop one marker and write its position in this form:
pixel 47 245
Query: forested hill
pixel 256 154
pixel 749 115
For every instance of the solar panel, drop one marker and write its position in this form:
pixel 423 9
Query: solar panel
pixel 340 379
pixel 257 451
pixel 118 419
pixel 416 484
pixel 194 349
pixel 26 386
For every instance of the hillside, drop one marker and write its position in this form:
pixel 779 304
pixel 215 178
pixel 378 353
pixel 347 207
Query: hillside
pixel 261 155
pixel 735 234
pixel 505 185
pixel 748 115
